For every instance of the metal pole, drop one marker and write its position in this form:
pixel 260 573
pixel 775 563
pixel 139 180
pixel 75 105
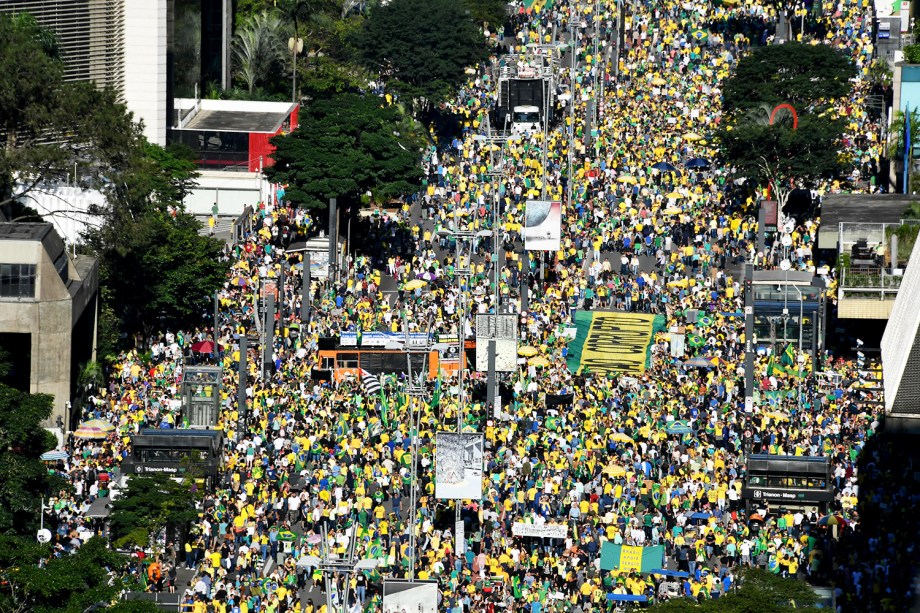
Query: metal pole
pixel 216 325
pixel 492 382
pixel 281 295
pixel 574 52
pixel 243 384
pixel 748 337
pixel 268 335
pixel 333 239
pixel 460 337
pixel 306 294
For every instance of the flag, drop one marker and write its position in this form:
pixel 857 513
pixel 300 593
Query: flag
pixel 788 357
pixel 359 334
pixel 371 382
pixel 772 368
pixel 436 395
pixel 384 407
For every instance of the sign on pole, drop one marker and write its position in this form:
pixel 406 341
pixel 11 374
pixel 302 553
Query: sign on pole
pixel 458 466
pixel 503 330
pixel 543 225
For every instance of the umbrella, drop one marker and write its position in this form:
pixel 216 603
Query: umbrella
pixel 699 362
pixel 309 562
pixel 539 361
pixel 692 136
pixel 94 428
pixel 527 352
pixel 696 163
pixel 628 179
pixel 56 454
pixel 415 284
pixel 665 166
pixel 204 347
pixel 313 539
pixel 675 195
pixel 832 520
pixel 681 426
pixel 619 437
pixel 658 81
pixel 612 470
pixel 239 281
pixel 755 517
pixel 672 211
pixel 777 416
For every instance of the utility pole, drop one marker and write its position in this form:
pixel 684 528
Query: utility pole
pixel 268 336
pixel 574 52
pixel 243 384
pixel 306 295
pixel 748 337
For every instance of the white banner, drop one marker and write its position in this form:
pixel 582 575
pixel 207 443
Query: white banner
pixel 542 225
pixel 550 531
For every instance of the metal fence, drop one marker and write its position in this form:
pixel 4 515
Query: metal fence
pixel 877 285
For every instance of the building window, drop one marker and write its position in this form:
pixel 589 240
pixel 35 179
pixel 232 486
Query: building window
pixel 60 265
pixel 17 280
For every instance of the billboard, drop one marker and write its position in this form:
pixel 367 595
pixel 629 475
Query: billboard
pixel 503 330
pixel 543 225
pixel 406 596
pixel 458 466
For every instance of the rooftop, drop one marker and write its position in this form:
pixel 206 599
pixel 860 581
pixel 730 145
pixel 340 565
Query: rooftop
pixel 864 208
pixel 24 231
pixel 233 115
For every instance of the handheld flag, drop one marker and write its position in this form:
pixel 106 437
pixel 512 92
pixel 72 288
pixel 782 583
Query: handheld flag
pixel 788 357
pixel 370 381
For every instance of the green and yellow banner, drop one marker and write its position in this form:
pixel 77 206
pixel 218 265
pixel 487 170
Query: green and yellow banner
pixel 631 558
pixel 613 342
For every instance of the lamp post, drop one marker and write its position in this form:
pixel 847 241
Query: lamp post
pixel 496 173
pixel 295 45
pixel 460 273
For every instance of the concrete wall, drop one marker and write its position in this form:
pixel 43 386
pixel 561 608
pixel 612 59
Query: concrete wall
pixel 48 318
pixel 145 66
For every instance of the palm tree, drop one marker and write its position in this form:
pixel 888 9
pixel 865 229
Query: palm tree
pixel 896 132
pixel 258 45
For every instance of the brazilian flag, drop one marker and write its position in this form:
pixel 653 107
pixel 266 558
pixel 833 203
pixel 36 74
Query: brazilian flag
pixel 656 494
pixel 788 357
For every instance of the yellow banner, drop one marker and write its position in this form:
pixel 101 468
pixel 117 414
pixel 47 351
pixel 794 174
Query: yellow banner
pixel 617 343
pixel 630 558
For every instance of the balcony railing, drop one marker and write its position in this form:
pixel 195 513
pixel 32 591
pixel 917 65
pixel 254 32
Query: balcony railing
pixel 872 285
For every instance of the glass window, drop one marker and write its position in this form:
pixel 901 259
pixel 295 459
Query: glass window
pixel 348 360
pixel 17 280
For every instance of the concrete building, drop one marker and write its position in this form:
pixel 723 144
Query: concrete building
pixel 901 354
pixel 48 313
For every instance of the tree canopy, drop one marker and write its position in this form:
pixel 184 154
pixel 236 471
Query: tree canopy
pixel 155 267
pixel 49 126
pixel 422 47
pixel 66 584
pixel 23 478
pixel 793 73
pixel 345 146
pixel 809 78
pixel 150 504
pixel 758 592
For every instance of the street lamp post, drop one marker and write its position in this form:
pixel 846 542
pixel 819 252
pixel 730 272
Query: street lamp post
pixel 460 273
pixel 296 47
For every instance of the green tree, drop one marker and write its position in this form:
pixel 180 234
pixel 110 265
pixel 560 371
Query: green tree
pixel 258 49
pixel 346 146
pixel 150 504
pixel 759 592
pixel 422 47
pixel 23 477
pixel 810 78
pixel 71 583
pixel 155 267
pixel 48 127
pixel 492 12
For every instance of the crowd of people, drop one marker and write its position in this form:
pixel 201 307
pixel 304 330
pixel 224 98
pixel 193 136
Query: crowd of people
pixel 307 455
